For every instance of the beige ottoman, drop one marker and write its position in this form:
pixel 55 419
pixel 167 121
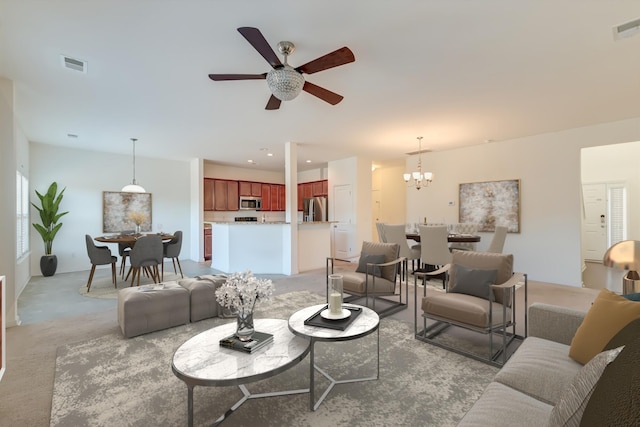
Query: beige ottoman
pixel 141 312
pixel 202 294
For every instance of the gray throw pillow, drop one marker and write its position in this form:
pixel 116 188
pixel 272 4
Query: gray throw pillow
pixel 371 259
pixel 573 401
pixel 474 282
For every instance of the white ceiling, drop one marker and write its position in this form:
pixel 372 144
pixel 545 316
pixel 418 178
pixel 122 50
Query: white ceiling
pixel 458 72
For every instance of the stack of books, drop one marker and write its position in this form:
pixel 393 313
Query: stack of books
pixel 257 341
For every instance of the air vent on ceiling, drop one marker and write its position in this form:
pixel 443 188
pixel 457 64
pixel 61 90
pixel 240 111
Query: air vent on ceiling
pixel 74 64
pixel 629 29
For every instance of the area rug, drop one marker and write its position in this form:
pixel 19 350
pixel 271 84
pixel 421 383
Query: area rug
pixel 113 381
pixel 102 287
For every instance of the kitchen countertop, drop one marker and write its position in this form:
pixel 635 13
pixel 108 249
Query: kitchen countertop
pixel 265 223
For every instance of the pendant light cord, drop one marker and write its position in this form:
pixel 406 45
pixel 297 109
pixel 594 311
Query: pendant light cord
pixel 134 160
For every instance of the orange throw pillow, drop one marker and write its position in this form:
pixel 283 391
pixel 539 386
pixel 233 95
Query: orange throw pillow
pixel 606 317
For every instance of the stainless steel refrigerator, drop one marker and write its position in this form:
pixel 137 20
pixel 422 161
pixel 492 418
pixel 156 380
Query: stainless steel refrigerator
pixel 315 209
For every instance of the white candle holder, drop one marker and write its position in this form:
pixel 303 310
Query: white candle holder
pixel 335 294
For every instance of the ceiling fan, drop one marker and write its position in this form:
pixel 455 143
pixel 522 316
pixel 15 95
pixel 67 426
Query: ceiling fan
pixel 284 81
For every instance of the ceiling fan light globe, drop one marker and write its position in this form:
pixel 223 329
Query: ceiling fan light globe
pixel 285 83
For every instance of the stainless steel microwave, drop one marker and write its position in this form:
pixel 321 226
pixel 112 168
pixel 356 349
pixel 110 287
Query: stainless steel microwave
pixel 250 203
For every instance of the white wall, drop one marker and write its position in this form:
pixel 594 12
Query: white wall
pixel 548 247
pixel 86 174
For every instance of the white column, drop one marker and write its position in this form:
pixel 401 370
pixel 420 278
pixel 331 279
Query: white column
pixel 290 235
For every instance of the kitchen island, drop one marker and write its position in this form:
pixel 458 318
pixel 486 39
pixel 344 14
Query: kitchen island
pixel 265 248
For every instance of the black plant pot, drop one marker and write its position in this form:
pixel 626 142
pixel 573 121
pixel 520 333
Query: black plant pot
pixel 48 265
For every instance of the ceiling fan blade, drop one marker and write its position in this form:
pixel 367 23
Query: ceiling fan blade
pixel 273 103
pixel 322 93
pixel 259 43
pixel 221 77
pixel 334 59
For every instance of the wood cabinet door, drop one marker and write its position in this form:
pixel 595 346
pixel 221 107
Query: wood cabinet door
pixel 317 188
pixel 274 197
pixel 266 197
pixel 282 194
pixel 245 188
pixel 233 202
pixel 220 195
pixel 208 194
pixel 307 190
pixel 325 187
pixel 300 198
pixel 256 189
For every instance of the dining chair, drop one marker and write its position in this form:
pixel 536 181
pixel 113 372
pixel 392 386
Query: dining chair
pixel 497 242
pixel 100 255
pixel 464 228
pixel 380 228
pixel 146 254
pixel 171 249
pixel 434 252
pixel 124 251
pixel 396 233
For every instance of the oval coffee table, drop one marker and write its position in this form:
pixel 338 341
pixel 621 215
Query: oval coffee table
pixel 366 323
pixel 201 361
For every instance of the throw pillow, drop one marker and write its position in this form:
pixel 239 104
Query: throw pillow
pixel 606 317
pixel 570 407
pixel 632 297
pixel 474 282
pixel 370 259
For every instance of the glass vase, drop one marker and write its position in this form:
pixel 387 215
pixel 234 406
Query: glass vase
pixel 138 228
pixel 335 294
pixel 245 330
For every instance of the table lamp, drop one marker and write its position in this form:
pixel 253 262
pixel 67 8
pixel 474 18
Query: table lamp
pixel 625 255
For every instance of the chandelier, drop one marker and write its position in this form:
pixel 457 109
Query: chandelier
pixel 133 187
pixel 420 179
pixel 285 83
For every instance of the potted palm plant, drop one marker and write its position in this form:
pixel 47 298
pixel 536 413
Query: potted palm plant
pixel 49 216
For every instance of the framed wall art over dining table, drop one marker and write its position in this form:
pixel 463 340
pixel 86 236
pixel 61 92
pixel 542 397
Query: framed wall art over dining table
pixel 122 211
pixel 491 203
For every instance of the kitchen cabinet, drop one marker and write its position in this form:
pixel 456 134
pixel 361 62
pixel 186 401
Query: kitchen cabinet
pixel 252 189
pixel 225 195
pixel 277 197
pixel 266 197
pixel 311 189
pixel 207 244
pixel 208 194
pixel 317 188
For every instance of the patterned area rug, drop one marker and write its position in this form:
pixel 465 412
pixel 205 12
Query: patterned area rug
pixel 103 287
pixel 113 381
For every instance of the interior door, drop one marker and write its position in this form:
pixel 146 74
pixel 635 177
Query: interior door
pixel 594 226
pixel 375 210
pixel 341 209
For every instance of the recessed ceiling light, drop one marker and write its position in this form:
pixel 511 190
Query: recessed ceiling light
pixel 308 161
pixel 270 154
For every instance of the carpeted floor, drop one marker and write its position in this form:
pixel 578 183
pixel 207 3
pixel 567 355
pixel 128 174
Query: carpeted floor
pixel 113 381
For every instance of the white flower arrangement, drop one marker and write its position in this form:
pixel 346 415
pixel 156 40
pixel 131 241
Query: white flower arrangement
pixel 243 290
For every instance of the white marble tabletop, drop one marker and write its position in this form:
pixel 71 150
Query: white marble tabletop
pixel 364 324
pixel 201 360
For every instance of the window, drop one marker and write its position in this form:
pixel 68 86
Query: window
pixel 22 215
pixel 617 207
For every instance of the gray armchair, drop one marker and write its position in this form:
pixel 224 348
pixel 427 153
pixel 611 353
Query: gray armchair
pixel 378 275
pixel 480 296
pixel 147 253
pixel 100 255
pixel 172 250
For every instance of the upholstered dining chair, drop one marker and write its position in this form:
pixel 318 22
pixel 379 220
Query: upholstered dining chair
pixel 171 249
pixel 497 242
pixel 380 229
pixel 396 233
pixel 376 277
pixel 100 255
pixel 480 296
pixel 146 254
pixel 464 228
pixel 434 250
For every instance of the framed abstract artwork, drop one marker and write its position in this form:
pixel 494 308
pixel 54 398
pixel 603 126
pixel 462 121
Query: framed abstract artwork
pixel 491 203
pixel 125 211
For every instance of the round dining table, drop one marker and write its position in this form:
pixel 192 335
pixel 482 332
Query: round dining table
pixel 130 239
pixel 457 238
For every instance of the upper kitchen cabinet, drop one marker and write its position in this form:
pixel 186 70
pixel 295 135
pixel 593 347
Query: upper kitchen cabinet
pixel 311 189
pixel 208 194
pixel 278 195
pixel 226 195
pixel 253 189
pixel 266 197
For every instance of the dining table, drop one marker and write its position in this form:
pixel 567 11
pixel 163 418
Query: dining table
pixel 130 239
pixel 457 238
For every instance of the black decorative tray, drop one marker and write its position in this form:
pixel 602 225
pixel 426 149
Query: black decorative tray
pixel 340 324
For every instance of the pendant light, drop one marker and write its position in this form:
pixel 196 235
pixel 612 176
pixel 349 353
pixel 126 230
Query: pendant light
pixel 133 187
pixel 420 179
